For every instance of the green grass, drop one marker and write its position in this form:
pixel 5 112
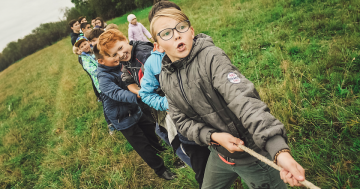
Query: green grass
pixel 302 55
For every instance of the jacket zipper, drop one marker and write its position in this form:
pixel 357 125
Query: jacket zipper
pixel 181 87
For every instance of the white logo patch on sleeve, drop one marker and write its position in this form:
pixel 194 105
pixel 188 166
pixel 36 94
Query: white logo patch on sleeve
pixel 233 78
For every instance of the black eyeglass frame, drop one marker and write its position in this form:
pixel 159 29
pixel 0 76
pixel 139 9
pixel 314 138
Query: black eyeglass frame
pixel 172 29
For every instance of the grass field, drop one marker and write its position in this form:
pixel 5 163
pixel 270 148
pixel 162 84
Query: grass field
pixel 302 55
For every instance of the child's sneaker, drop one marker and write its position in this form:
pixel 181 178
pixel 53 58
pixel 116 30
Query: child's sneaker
pixel 111 129
pixel 179 164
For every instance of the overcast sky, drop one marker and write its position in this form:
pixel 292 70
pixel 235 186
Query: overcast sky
pixel 20 17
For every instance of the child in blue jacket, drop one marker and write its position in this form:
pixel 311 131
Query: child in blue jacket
pixel 150 96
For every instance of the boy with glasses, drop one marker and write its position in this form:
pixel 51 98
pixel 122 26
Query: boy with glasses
pixel 152 95
pixel 212 104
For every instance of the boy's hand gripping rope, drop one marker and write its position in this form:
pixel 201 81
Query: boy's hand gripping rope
pixel 272 164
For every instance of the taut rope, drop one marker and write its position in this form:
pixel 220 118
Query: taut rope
pixel 272 164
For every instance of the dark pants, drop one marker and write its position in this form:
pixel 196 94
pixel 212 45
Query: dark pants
pixel 106 118
pixel 198 157
pixel 178 151
pixel 143 139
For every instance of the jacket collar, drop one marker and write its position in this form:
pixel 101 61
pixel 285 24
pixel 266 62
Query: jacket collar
pixel 201 41
pixel 132 25
pixel 109 69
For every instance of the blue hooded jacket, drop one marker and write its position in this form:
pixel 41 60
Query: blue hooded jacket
pixel 150 83
pixel 120 105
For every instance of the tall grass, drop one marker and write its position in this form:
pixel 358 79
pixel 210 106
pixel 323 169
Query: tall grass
pixel 302 55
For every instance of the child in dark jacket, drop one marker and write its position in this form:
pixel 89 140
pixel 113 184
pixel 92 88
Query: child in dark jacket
pixel 122 106
pixel 212 103
pixel 90 65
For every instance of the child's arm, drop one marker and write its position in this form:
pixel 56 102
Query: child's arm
pixel 150 84
pixel 244 101
pixel 109 88
pixel 130 35
pixel 145 31
pixel 134 88
pixel 191 129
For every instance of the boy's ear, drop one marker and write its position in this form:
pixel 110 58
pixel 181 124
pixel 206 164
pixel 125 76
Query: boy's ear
pixel 100 61
pixel 158 47
pixel 192 32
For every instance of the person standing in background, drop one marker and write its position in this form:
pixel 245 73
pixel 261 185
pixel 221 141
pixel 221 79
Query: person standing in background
pixel 137 32
pixel 75 27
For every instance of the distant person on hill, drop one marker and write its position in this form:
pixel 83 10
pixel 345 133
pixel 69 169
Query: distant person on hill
pixel 90 65
pixel 82 19
pixel 122 106
pixel 99 22
pixel 85 27
pixel 213 104
pixel 111 26
pixel 137 31
pixel 75 27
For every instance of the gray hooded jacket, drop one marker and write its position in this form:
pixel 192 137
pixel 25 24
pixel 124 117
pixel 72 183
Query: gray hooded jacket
pixel 191 85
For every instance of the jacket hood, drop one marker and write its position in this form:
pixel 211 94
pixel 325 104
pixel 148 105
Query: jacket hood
pixel 135 44
pixel 156 52
pixel 201 41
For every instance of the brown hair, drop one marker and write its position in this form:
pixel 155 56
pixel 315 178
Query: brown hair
pixel 97 52
pixel 87 34
pixel 80 18
pixel 108 39
pixel 101 20
pixel 170 13
pixel 72 22
pixel 83 25
pixel 112 26
pixel 95 33
pixel 161 4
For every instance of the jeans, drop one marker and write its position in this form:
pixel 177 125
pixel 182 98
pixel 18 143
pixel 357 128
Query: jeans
pixel 198 156
pixel 257 175
pixel 178 151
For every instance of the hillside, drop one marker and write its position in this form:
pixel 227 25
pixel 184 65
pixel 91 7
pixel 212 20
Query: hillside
pixel 302 55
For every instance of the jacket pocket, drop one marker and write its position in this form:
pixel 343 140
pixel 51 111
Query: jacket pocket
pixel 123 112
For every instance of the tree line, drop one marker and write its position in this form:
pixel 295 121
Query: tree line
pixel 49 33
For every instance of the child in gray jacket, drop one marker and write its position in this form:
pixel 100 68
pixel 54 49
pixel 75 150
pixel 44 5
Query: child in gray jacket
pixel 212 103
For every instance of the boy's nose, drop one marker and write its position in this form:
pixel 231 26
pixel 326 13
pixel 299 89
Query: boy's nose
pixel 177 35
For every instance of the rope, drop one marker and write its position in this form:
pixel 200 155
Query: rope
pixel 272 164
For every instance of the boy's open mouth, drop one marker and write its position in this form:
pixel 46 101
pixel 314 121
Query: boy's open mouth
pixel 181 47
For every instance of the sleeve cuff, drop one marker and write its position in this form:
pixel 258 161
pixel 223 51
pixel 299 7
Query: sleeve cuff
pixel 205 135
pixel 275 144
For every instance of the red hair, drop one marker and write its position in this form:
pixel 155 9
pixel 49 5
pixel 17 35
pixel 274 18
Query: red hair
pixel 108 39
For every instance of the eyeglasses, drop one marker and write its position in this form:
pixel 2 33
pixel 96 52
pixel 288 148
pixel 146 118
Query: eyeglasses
pixel 168 33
